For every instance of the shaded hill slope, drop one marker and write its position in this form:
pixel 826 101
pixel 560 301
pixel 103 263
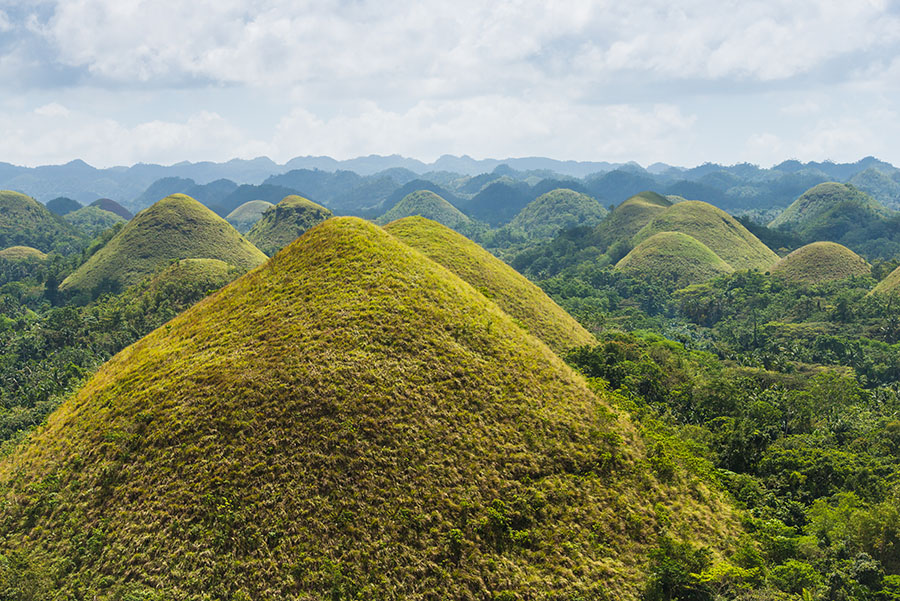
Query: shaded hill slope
pixel 245 216
pixel 495 279
pixel 715 228
pixel 92 219
pixel 557 210
pixel 427 204
pixel 674 260
pixel 62 205
pixel 889 285
pixel 628 218
pixel 108 204
pixel 349 420
pixel 176 227
pixel 285 222
pixel 821 262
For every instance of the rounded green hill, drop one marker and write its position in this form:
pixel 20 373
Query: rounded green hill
pixel 285 222
pixel 245 216
pixel 349 419
pixel 92 219
pixel 673 260
pixel 22 253
pixel 558 210
pixel 176 227
pixel 26 222
pixel 425 203
pixel 628 218
pixel 821 262
pixel 716 229
pixel 498 281
pixel 889 285
pixel 811 210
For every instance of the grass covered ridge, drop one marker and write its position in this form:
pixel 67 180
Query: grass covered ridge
pixel 92 219
pixel 246 215
pixel 628 218
pixel 285 222
pixel 425 203
pixel 177 227
pixel 22 253
pixel 26 222
pixel 821 262
pixel 495 279
pixel 351 420
pixel 673 260
pixel 557 210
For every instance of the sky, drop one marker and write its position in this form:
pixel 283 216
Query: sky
pixel 115 82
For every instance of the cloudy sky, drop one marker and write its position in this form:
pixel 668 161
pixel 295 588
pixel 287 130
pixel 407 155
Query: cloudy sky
pixel 678 81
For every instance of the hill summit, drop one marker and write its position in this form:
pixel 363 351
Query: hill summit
pixel 818 205
pixel 673 259
pixel 425 203
pixel 245 216
pixel 285 222
pixel 26 222
pixel 351 420
pixel 628 218
pixel 176 227
pixel 557 210
pixel 821 262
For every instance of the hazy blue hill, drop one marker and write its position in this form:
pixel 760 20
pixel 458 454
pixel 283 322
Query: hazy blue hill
pixel 880 185
pixel 107 204
pixel 619 185
pixel 160 189
pixel 213 193
pixel 317 184
pixel 268 192
pixel 246 215
pixel 498 203
pixel 62 205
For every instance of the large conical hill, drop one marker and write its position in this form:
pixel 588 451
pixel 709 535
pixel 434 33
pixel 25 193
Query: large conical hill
pixel 510 290
pixel 26 222
pixel 425 203
pixel 557 210
pixel 245 216
pixel 285 222
pixel 176 227
pixel 351 420
pixel 716 229
pixel 812 209
pixel 674 260
pixel 821 262
pixel 628 218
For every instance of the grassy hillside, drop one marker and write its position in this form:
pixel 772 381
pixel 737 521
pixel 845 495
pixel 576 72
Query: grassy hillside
pixel 246 215
pixel 211 273
pixel 21 253
pixel 673 260
pixel 425 203
pixel 821 262
pixel 285 222
pixel 811 209
pixel 495 279
pixel 889 285
pixel 92 219
pixel 557 210
pixel 628 218
pixel 26 222
pixel 177 227
pixel 351 420
pixel 108 204
pixel 715 228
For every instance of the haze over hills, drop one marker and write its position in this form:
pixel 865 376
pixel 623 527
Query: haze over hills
pixel 398 421
pixel 176 227
pixel 283 223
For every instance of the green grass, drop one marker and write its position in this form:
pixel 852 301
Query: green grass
pixel 498 281
pixel 26 222
pixel 628 218
pixel 673 260
pixel 285 222
pixel 889 285
pixel 716 229
pixel 245 216
pixel 821 262
pixel 92 219
pixel 177 227
pixel 426 203
pixel 557 210
pixel 350 420
pixel 22 253
pixel 814 205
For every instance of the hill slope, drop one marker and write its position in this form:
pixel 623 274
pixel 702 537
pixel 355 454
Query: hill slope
pixel 62 205
pixel 92 219
pixel 556 210
pixel 821 262
pixel 889 285
pixel 176 227
pixel 715 228
pixel 108 204
pixel 246 215
pixel 812 207
pixel 22 253
pixel 628 218
pixel 427 204
pixel 673 259
pixel 285 222
pixel 495 279
pixel 349 421
pixel 26 222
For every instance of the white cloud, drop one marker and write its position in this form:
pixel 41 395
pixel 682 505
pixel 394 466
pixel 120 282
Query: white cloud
pixel 54 109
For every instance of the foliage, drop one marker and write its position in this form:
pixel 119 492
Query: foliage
pixel 26 222
pixel 283 223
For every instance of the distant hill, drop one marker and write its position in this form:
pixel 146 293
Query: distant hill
pixel 619 185
pixel 26 222
pixel 349 420
pixel 821 262
pixel 176 227
pixel 557 210
pixel 495 279
pixel 62 206
pixel 108 204
pixel 883 187
pixel 22 253
pixel 628 218
pixel 246 193
pixel 816 208
pixel 426 203
pixel 285 222
pixel 715 228
pixel 92 220
pixel 161 188
pixel 673 260
pixel 246 215
pixel 498 203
